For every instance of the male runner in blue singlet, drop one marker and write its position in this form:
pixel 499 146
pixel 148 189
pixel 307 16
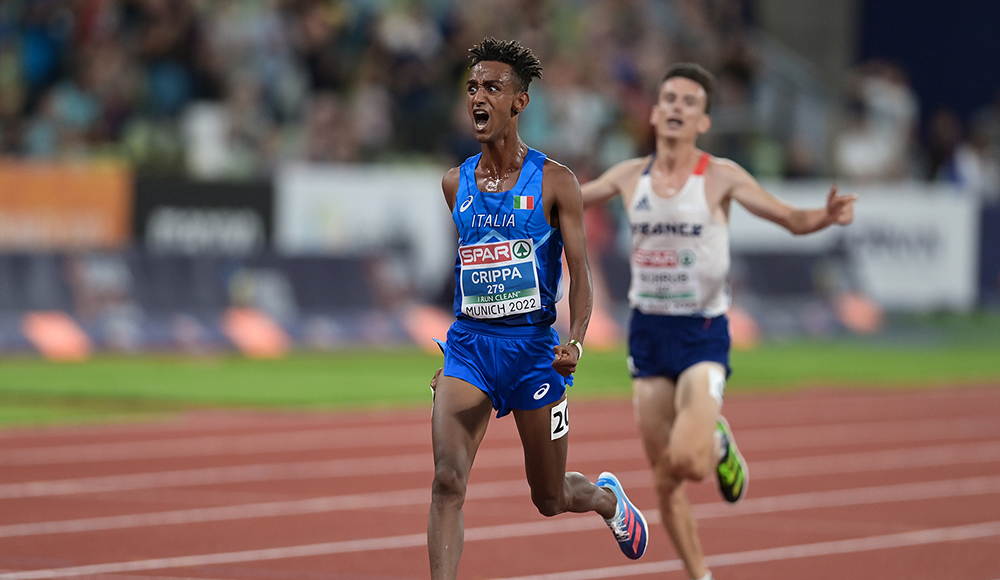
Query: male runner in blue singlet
pixel 678 202
pixel 515 211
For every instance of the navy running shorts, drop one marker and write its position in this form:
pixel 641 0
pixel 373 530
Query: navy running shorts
pixel 666 346
pixel 511 364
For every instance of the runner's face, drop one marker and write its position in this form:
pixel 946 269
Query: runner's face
pixel 492 96
pixel 679 111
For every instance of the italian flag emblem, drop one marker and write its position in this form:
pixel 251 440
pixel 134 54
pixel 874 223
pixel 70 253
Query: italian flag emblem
pixel 524 202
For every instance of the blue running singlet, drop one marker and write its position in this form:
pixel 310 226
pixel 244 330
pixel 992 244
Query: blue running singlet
pixel 506 287
pixel 509 257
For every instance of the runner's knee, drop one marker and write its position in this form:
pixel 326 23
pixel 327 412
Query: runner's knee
pixel 665 482
pixel 552 498
pixel 550 502
pixel 449 484
pixel 688 463
pixel 547 505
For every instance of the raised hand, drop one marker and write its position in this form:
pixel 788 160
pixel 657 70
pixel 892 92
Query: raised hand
pixel 840 208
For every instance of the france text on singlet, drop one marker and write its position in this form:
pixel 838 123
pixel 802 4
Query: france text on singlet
pixel 680 253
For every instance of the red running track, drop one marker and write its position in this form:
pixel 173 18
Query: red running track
pixel 844 484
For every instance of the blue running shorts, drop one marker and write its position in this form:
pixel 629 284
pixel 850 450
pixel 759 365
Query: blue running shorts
pixel 666 346
pixel 512 364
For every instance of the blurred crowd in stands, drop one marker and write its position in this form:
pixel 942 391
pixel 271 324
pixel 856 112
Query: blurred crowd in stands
pixel 882 140
pixel 231 88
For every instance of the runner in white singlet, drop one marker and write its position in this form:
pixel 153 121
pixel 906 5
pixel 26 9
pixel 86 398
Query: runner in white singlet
pixel 678 204
pixel 680 253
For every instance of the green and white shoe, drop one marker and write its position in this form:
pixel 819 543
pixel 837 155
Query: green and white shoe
pixel 732 471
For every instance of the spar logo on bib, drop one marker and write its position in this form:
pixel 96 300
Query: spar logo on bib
pixel 485 254
pixel 654 258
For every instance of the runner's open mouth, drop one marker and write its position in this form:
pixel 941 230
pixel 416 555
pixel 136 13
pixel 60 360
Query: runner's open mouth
pixel 480 118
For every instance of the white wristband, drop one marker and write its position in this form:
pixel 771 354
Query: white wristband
pixel 579 347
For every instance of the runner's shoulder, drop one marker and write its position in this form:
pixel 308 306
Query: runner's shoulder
pixel 558 175
pixel 452 176
pixel 630 168
pixel 726 169
pixel 450 183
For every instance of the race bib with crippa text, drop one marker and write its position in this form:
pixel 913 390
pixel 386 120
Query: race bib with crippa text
pixel 499 279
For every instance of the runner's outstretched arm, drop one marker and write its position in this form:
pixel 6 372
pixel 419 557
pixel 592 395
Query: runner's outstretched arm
pixel 839 209
pixel 608 185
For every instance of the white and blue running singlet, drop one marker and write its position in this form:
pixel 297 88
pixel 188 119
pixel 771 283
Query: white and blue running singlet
pixel 509 257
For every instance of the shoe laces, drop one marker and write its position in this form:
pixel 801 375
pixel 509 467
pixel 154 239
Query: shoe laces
pixel 729 468
pixel 617 525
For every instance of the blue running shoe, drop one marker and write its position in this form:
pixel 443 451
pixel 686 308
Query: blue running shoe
pixel 628 525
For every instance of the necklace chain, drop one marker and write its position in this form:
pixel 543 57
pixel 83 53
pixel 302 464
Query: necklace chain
pixel 493 183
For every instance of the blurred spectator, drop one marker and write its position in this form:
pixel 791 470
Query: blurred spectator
pixel 972 165
pixel 982 157
pixel 371 103
pixel 577 113
pixel 167 49
pixel 864 153
pixel 877 143
pixel 321 34
pixel 944 135
pixel 330 136
pixel 977 166
pixel 987 120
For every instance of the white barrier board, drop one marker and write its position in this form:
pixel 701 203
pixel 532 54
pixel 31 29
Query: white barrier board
pixel 913 246
pixel 354 209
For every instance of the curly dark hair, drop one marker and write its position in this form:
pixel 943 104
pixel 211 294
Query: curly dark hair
pixel 697 73
pixel 524 62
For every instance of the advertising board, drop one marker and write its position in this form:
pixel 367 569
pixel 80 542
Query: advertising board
pixel 61 206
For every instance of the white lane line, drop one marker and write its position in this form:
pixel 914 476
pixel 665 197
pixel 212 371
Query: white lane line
pixel 884 460
pixel 822 435
pixel 256 443
pixel 921 490
pixel 218 475
pixel 985 452
pixel 359 501
pixel 568 524
pixel 395 542
pixel 853 404
pixel 851 546
pixel 512 488
pixel 939 430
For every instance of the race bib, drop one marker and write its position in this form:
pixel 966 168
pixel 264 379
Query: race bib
pixel 665 282
pixel 499 279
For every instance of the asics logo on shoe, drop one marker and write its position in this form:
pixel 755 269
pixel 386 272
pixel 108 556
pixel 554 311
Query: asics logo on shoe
pixel 542 390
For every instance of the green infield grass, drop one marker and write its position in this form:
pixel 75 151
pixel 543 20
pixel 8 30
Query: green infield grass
pixel 927 353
